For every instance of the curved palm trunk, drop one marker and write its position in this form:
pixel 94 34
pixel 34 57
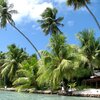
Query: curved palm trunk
pixel 25 38
pixel 93 16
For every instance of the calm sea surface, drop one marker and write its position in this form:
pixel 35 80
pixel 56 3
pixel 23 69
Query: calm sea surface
pixel 6 95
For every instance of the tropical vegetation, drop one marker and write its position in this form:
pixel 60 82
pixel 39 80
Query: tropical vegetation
pixel 61 64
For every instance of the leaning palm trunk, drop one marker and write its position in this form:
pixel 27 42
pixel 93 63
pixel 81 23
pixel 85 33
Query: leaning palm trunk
pixel 25 38
pixel 93 16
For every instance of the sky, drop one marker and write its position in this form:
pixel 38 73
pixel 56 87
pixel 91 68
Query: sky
pixel 29 12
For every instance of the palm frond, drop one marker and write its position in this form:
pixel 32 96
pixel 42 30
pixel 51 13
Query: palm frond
pixel 21 81
pixel 24 72
pixel 13 11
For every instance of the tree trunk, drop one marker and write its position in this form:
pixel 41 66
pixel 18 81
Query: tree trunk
pixel 93 16
pixel 91 68
pixel 63 87
pixel 25 38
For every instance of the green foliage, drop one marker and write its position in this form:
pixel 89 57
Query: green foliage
pixel 82 71
pixel 49 23
pixel 61 63
pixel 27 74
pixel 5 13
pixel 12 62
pixel 58 46
pixel 2 58
pixel 77 3
pixel 16 53
pixel 90 46
pixel 72 85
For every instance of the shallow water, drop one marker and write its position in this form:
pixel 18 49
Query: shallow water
pixel 7 95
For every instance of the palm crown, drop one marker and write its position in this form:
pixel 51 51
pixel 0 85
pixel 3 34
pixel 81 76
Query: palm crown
pixel 49 22
pixel 90 46
pixel 5 14
pixel 77 3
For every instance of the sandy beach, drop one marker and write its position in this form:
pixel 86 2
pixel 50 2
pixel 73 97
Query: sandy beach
pixel 87 92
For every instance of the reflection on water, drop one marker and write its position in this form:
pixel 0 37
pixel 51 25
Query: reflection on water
pixel 6 95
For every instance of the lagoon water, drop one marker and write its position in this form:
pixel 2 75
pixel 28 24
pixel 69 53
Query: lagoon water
pixel 7 95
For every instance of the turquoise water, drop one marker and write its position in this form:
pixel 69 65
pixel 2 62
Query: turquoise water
pixel 6 95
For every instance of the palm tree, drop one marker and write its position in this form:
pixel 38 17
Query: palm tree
pixel 47 63
pixel 12 62
pixel 91 47
pixel 56 69
pixel 53 72
pixel 27 74
pixel 6 17
pixel 2 58
pixel 82 3
pixel 50 22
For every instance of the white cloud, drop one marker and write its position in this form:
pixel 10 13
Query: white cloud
pixel 70 23
pixel 36 27
pixel 30 9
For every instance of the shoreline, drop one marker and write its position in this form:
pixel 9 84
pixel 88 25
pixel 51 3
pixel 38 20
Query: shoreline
pixel 87 93
pixel 82 93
